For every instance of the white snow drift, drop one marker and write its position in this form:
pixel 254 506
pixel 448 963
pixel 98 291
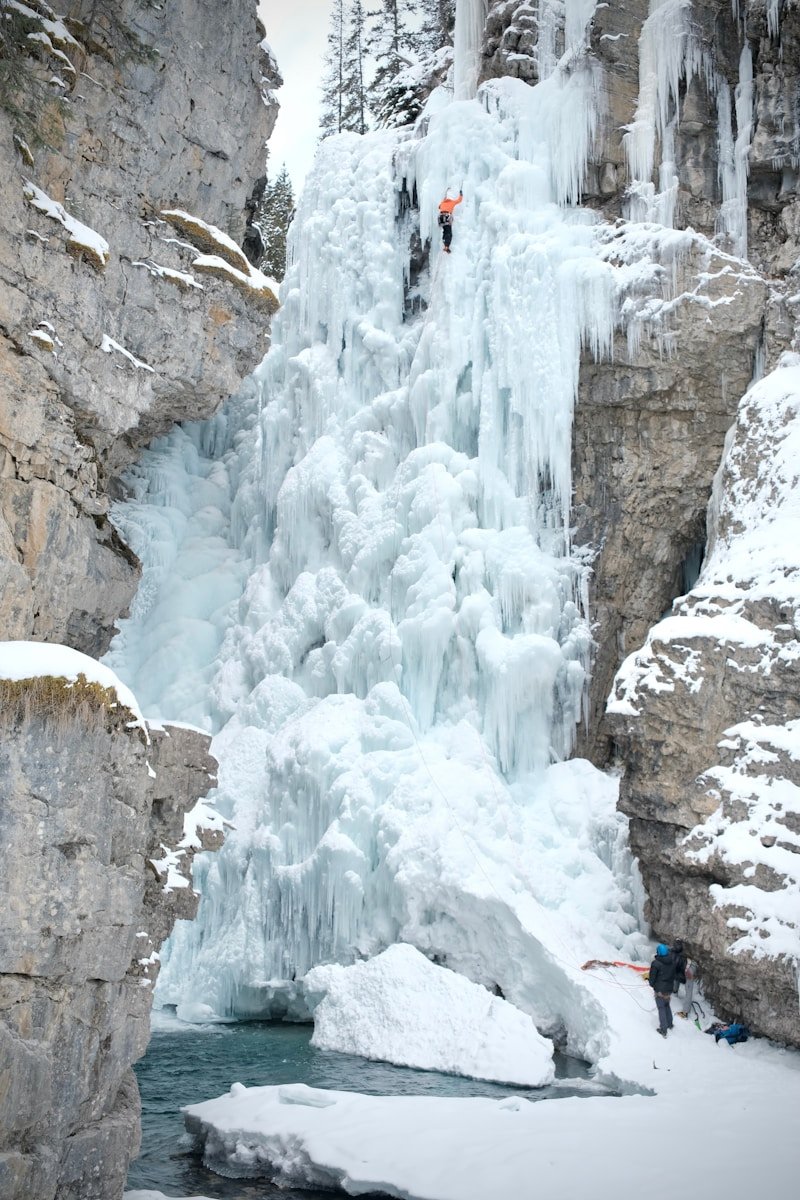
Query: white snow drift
pixel 401 1008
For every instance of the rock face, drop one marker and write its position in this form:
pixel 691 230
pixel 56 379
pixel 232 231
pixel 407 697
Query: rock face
pixel 706 717
pixel 88 893
pixel 648 434
pixel 697 127
pixel 115 322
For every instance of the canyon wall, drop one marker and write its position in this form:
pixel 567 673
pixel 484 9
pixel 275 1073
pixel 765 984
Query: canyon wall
pixel 95 871
pixel 132 141
pixel 125 302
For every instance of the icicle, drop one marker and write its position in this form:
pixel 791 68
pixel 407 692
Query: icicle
pixel 468 38
pixel 551 15
pixel 578 13
pixel 668 54
pixel 733 156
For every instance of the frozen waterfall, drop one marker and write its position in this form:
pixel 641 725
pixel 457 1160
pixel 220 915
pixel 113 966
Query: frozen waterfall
pixel 468 36
pixel 359 577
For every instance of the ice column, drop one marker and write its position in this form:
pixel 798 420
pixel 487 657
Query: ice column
pixel 733 156
pixel 668 54
pixel 577 14
pixel 470 22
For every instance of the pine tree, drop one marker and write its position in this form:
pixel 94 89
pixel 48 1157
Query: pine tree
pixel 355 89
pixel 344 91
pixel 389 42
pixel 332 117
pixel 438 23
pixel 273 219
pixel 407 41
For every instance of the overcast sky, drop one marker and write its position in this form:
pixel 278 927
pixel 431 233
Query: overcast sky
pixel 296 30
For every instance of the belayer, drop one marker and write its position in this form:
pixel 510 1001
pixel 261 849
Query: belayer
pixel 446 218
pixel 662 979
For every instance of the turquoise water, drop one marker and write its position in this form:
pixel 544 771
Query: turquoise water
pixel 187 1064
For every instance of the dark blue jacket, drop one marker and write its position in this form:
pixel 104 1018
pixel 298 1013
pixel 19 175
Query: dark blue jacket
pixel 662 973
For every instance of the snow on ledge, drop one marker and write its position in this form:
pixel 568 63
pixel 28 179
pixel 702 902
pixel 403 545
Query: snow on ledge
pixel 82 239
pixel 221 256
pixel 254 280
pixel 642 669
pixel 401 1008
pixel 207 237
pixel 108 345
pixel 32 660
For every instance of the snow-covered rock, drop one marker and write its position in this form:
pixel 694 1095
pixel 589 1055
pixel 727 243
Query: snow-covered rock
pixel 401 1008
pixel 93 803
pixel 707 714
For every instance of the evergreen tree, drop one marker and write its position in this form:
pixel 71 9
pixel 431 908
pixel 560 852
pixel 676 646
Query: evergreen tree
pixel 389 44
pixel 333 80
pixel 408 41
pixel 438 24
pixel 273 219
pixel 354 115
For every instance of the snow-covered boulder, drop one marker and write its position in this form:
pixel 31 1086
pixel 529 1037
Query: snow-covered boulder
pixel 402 1008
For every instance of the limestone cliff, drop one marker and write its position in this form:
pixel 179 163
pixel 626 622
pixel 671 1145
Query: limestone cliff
pixel 94 872
pixel 125 303
pixel 706 718
pixel 697 128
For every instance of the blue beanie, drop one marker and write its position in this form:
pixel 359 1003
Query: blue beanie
pixel 662 950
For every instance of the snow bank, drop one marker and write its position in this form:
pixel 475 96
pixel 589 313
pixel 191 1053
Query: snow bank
pixel 30 660
pixel 728 1113
pixel 401 1008
pixel 148 1195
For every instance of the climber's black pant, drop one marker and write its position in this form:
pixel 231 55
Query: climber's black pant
pixel 447 235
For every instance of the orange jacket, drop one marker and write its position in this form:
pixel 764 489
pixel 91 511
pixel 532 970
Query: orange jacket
pixel 448 205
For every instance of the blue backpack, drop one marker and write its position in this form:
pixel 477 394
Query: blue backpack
pixel 733 1033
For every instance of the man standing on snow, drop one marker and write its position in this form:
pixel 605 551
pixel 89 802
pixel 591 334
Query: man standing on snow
pixel 446 218
pixel 662 979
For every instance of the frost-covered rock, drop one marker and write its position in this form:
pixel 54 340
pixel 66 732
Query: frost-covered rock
pixel 93 801
pixel 401 1008
pixel 707 717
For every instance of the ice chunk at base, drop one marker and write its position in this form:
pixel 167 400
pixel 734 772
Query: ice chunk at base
pixel 401 1008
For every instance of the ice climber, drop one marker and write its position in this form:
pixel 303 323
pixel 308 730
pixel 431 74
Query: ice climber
pixel 662 978
pixel 446 218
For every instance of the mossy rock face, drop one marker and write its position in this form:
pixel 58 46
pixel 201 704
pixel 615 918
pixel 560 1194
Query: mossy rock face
pixel 262 298
pixel 201 236
pixel 61 702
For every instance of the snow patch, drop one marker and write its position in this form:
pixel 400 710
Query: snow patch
pixel 82 239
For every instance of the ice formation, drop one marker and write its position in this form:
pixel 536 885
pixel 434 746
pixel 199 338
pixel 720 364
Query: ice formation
pixel 360 577
pixel 468 36
pixel 400 1008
